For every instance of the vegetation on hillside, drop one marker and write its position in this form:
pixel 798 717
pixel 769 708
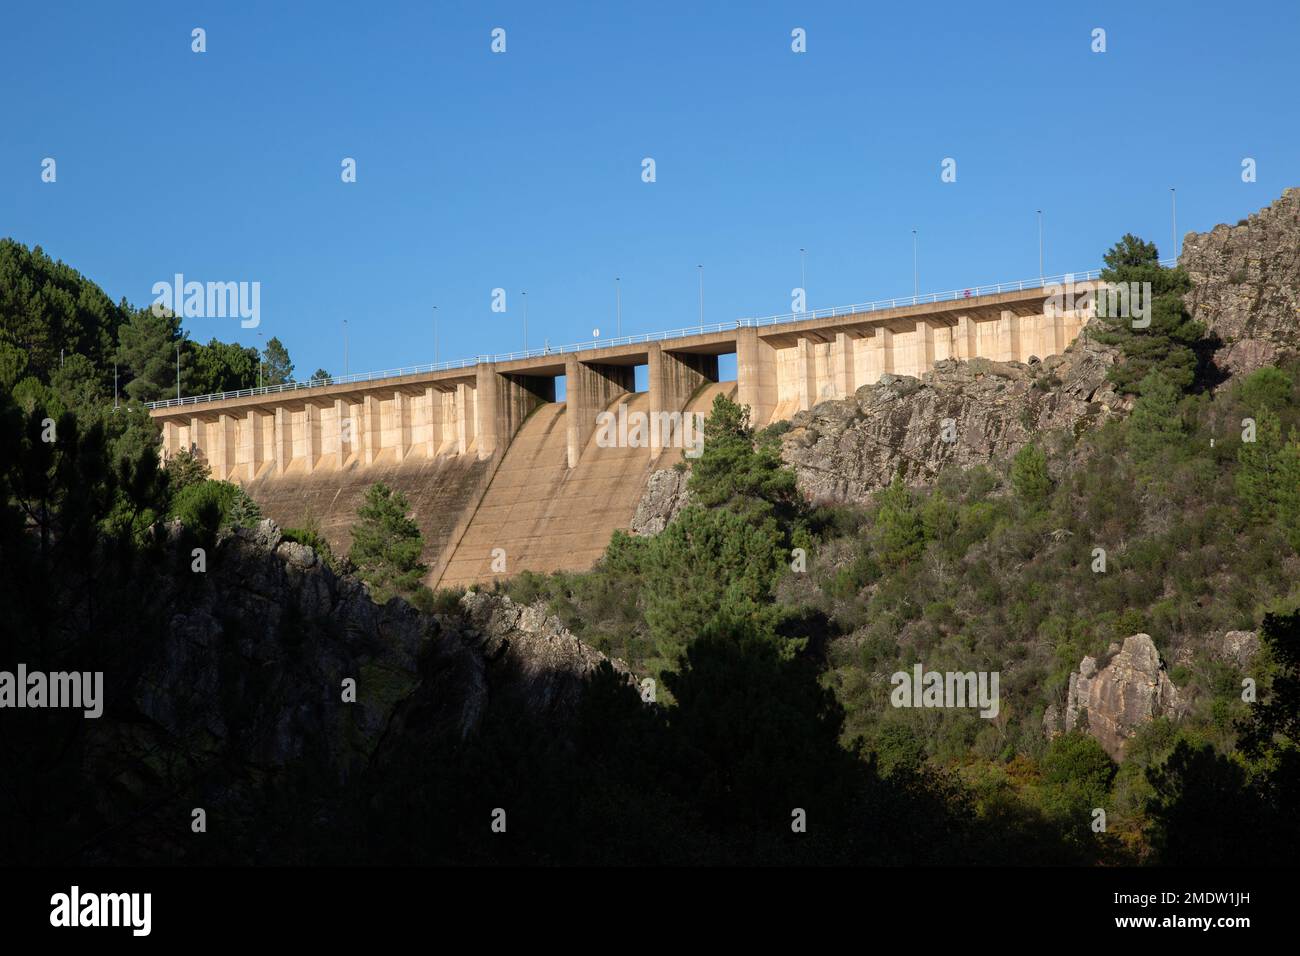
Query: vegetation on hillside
pixel 1193 510
pixel 769 626
pixel 60 330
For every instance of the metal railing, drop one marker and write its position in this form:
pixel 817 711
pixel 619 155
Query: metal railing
pixel 896 302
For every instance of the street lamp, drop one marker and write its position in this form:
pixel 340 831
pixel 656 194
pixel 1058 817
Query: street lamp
pixel 618 308
pixel 803 276
pixel 525 296
pixel 345 347
pixel 261 360
pixel 1040 245
pixel 178 370
pixel 701 268
pixel 916 280
pixel 1173 224
pixel 435 335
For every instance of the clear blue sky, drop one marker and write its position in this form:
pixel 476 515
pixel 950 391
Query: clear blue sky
pixel 523 170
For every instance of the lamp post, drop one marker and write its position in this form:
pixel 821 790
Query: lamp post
pixel 178 370
pixel 525 296
pixel 1040 245
pixel 916 280
pixel 435 335
pixel 618 308
pixel 345 347
pixel 1173 223
pixel 803 276
pixel 261 361
pixel 701 268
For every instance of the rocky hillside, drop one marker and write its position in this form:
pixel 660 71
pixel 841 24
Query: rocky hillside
pixel 966 413
pixel 1246 285
pixel 971 413
pixel 252 678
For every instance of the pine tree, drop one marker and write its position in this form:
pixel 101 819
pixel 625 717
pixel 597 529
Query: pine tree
pixel 900 530
pixel 13 365
pixel 1029 475
pixel 1168 343
pixel 1259 469
pixel 386 544
pixel 78 385
pixel 721 557
pixel 1289 492
pixel 1267 387
pixel 277 368
pixel 739 468
pixel 222 367
pixel 1268 478
pixel 1156 422
pixel 147 352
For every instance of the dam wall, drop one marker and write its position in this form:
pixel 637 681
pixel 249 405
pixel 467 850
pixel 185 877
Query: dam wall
pixel 442 493
pixel 493 465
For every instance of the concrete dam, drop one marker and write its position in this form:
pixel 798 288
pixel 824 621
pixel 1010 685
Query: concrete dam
pixel 501 477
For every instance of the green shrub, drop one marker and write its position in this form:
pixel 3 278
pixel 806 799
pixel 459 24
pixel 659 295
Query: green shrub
pixel 526 587
pixel 209 506
pixel 1029 475
pixel 184 469
pixel 446 600
pixel 1267 387
pixel 424 600
pixel 312 538
pixel 1077 773
pixel 900 533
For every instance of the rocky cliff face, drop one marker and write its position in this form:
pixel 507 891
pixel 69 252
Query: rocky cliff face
pixel 1237 648
pixel 966 413
pixel 549 661
pixel 664 497
pixel 1246 285
pixel 250 677
pixel 1113 701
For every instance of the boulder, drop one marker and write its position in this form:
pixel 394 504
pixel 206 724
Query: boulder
pixel 547 662
pixel 1113 701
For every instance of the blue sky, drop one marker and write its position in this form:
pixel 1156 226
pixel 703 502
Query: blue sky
pixel 522 170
